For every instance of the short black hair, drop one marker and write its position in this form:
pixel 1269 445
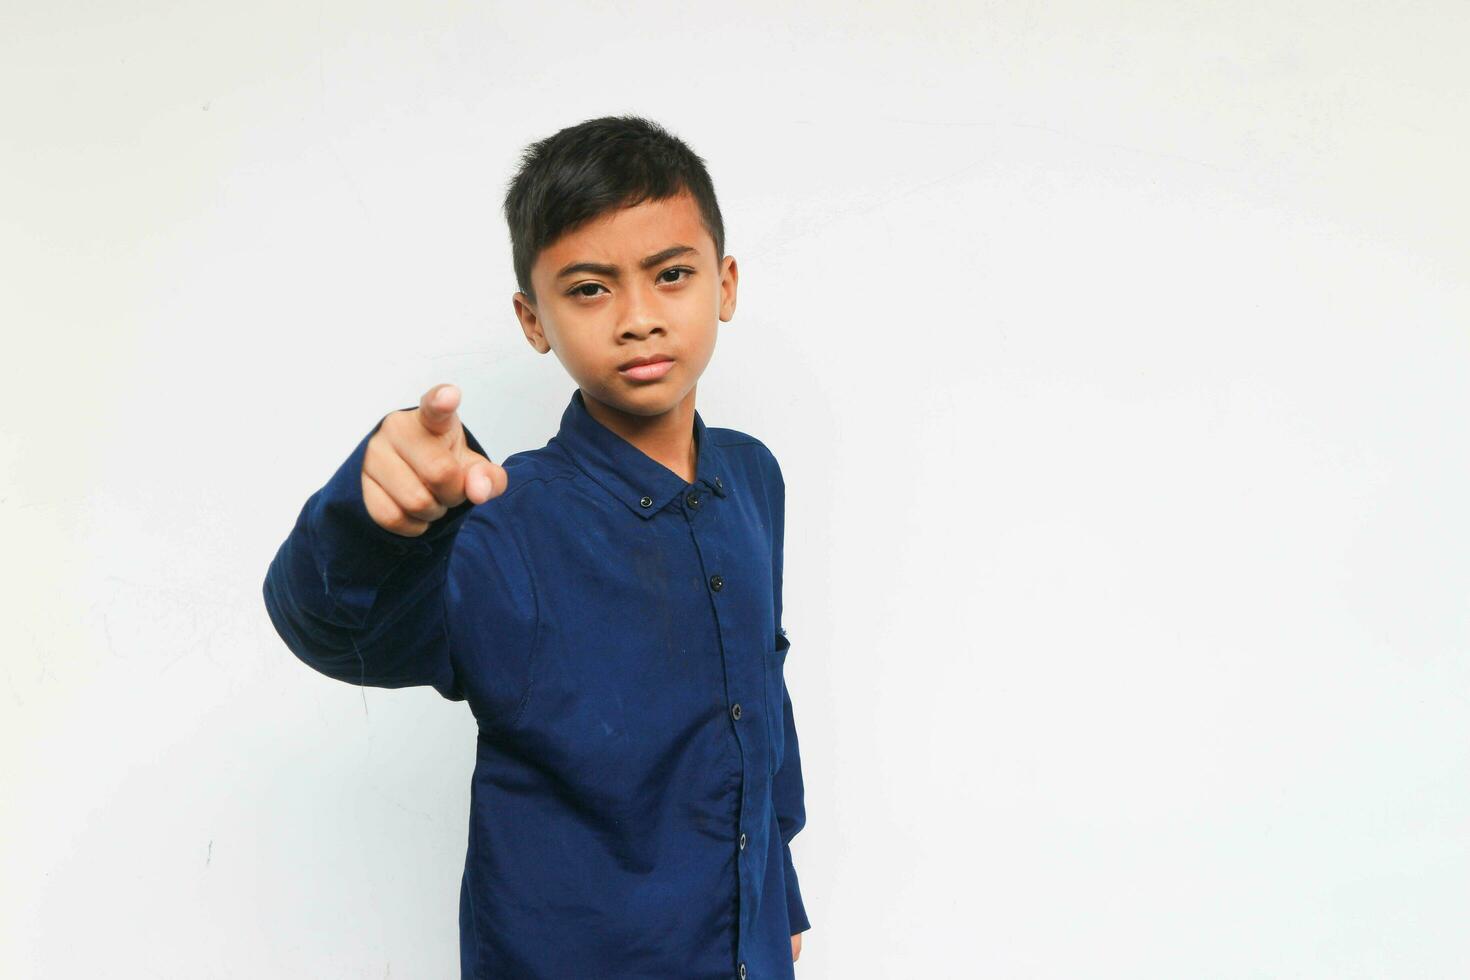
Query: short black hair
pixel 595 166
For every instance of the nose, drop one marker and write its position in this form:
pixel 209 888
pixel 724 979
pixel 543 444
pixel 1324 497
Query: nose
pixel 641 315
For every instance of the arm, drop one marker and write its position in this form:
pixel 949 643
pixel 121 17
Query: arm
pixel 787 792
pixel 358 602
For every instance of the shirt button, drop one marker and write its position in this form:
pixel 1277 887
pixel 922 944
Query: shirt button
pixel 742 971
pixel 645 501
pixel 742 842
pixel 735 711
pixel 716 582
pixel 692 500
pixel 718 484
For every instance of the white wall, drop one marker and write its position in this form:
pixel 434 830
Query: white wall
pixel 1116 356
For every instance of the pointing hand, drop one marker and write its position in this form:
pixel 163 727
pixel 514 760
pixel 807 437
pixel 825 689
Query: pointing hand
pixel 418 465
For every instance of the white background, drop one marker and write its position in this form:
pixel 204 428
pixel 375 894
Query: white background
pixel 1116 355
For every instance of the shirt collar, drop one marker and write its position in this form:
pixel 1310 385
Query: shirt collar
pixel 641 482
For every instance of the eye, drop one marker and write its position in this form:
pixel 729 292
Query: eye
pixel 579 290
pixel 576 290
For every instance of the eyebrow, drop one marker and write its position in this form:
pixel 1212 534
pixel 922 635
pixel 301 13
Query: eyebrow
pixel 611 271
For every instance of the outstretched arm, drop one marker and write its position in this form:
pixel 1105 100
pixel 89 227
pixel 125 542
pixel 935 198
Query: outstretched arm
pixel 356 590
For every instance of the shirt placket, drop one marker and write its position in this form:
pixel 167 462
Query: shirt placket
pixel 712 555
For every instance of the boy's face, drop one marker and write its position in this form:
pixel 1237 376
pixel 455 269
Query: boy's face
pixel 614 308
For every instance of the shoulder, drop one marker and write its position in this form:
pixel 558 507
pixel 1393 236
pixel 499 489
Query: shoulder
pixel 543 465
pixel 746 451
pixel 530 473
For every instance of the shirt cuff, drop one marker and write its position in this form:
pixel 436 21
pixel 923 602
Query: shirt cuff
pixel 795 908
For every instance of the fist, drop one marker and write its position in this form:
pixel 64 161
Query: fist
pixel 418 465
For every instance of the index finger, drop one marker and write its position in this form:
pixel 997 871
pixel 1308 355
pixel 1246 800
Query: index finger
pixel 437 408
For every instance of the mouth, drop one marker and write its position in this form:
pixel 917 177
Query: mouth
pixel 647 368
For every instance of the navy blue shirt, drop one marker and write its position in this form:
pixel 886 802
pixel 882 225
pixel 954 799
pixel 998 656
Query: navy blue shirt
pixel 617 634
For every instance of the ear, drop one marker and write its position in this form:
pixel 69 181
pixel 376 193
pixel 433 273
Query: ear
pixel 530 321
pixel 729 278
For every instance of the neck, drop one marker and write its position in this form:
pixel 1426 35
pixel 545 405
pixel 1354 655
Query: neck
pixel 667 438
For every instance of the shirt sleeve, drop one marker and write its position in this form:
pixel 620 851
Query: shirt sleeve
pixel 359 603
pixel 787 792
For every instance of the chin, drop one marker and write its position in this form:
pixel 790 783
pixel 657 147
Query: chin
pixel 646 399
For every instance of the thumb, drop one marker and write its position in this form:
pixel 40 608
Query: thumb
pixel 437 408
pixel 479 477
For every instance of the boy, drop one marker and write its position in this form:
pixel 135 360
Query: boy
pixel 609 605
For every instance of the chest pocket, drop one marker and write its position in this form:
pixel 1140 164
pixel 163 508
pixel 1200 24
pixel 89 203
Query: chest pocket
pixel 776 698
